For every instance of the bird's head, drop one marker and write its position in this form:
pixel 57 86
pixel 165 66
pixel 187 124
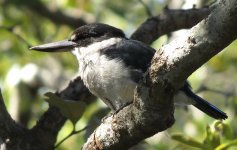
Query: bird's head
pixel 82 37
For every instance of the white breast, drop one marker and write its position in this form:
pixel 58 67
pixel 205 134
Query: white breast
pixel 106 78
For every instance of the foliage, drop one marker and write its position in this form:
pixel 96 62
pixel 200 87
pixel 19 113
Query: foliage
pixel 73 110
pixel 219 136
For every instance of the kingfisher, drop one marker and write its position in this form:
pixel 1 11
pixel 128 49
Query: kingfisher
pixel 111 65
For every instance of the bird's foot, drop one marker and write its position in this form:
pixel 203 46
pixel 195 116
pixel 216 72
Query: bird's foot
pixel 113 113
pixel 120 108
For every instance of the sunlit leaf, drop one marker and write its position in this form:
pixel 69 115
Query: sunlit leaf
pixel 73 110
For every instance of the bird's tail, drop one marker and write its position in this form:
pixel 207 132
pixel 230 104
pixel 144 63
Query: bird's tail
pixel 205 106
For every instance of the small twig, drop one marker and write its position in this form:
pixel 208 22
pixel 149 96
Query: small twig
pixel 2 105
pixel 70 134
pixel 205 88
pixel 148 11
pixel 10 30
pixel 226 94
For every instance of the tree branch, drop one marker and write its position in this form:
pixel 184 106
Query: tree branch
pixel 10 29
pixel 57 16
pixel 8 127
pixel 146 7
pixel 168 21
pixel 152 109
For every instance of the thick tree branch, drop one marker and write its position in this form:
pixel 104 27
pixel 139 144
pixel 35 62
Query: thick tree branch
pixel 168 21
pixel 8 127
pixel 152 110
pixel 209 37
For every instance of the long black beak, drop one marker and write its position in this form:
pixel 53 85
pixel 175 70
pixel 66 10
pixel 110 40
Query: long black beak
pixel 60 46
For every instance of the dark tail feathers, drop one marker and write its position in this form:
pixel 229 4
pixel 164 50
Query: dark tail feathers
pixel 205 106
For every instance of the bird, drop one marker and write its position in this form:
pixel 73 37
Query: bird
pixel 111 65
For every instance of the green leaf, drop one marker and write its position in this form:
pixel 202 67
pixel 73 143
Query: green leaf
pixel 73 110
pixel 224 129
pixel 212 139
pixel 227 145
pixel 186 140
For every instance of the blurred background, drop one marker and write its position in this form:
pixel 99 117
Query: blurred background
pixel 26 75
